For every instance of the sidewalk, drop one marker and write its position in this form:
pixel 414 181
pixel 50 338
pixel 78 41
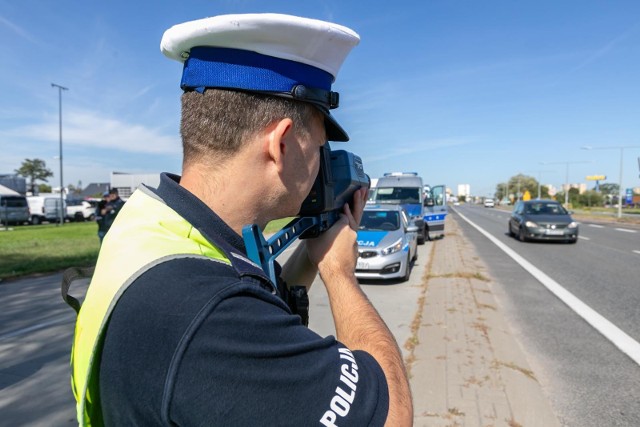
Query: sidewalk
pixel 465 366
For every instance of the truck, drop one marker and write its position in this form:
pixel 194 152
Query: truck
pixel 404 188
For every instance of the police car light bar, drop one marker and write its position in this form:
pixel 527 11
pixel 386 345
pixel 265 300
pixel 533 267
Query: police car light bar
pixel 401 173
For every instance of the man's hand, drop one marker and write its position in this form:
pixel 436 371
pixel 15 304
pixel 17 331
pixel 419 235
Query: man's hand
pixel 302 266
pixel 336 248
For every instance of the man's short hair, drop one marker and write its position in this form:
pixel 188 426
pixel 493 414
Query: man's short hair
pixel 113 191
pixel 220 121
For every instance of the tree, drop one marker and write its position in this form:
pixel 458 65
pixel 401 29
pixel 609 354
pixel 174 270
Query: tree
pixel 35 170
pixel 44 188
pixel 591 198
pixel 609 189
pixel 517 186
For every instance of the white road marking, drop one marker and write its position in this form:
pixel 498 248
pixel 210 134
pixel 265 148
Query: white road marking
pixel 596 226
pixel 618 337
pixel 626 230
pixel 583 238
pixel 637 252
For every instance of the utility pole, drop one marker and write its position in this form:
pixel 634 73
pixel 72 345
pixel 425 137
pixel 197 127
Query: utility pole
pixel 566 178
pixel 60 89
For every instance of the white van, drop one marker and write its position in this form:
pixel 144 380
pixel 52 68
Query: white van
pixel 44 208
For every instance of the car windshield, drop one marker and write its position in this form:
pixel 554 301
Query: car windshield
pixel 545 209
pixel 398 195
pixel 380 220
pixel 14 202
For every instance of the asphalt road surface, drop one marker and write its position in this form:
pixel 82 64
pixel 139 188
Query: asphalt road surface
pixel 589 380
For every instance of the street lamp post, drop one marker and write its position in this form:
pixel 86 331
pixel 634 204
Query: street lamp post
pixel 621 148
pixel 566 178
pixel 60 89
pixel 540 182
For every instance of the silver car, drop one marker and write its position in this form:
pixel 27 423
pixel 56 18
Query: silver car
pixel 387 243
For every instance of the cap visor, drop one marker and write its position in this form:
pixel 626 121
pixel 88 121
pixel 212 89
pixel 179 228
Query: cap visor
pixel 333 129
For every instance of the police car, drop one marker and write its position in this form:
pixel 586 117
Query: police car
pixel 387 243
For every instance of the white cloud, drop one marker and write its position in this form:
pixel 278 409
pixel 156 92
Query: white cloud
pixel 388 153
pixel 90 129
pixel 17 29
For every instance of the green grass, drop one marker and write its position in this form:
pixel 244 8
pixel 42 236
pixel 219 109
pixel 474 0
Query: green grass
pixel 33 249
pixel 26 250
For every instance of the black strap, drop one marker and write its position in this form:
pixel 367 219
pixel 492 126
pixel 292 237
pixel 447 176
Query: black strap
pixel 298 301
pixel 71 275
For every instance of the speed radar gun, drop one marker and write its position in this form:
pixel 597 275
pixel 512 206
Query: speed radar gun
pixel 341 174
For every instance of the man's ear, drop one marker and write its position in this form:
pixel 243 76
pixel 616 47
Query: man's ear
pixel 277 138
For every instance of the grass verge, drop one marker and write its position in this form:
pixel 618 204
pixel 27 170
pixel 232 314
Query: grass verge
pixel 46 248
pixel 26 250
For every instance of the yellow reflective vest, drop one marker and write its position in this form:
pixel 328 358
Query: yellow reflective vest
pixel 146 233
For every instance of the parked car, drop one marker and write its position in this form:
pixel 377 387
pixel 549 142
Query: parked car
pixel 489 203
pixel 80 210
pixel 387 243
pixel 542 220
pixel 14 209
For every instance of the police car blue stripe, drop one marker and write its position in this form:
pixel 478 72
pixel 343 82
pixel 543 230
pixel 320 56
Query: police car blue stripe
pixel 437 217
pixel 370 239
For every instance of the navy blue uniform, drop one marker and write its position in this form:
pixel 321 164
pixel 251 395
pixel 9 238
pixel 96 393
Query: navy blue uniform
pixel 192 343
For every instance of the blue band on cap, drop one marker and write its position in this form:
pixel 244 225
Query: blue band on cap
pixel 246 70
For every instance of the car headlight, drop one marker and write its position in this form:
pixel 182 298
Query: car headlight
pixel 393 248
pixel 531 224
pixel 573 224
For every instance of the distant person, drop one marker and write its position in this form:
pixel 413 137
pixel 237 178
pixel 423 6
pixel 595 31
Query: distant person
pixel 109 212
pixel 99 216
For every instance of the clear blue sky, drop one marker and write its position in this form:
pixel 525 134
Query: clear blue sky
pixel 469 92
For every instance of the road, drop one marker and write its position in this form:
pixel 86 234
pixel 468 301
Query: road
pixel 590 381
pixel 36 330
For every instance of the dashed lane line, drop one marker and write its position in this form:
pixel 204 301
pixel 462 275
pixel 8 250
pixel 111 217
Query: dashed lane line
pixel 618 337
pixel 626 230
pixel 596 226
pixel 583 238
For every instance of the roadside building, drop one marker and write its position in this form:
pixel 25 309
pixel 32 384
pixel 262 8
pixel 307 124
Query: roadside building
pixel 126 183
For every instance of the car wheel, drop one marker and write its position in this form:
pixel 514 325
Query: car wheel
pixel 421 236
pixel 521 235
pixel 92 217
pixel 407 273
pixel 415 254
pixel 511 233
pixel 35 220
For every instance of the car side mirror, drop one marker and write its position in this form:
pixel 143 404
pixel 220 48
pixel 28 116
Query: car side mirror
pixel 412 229
pixel 428 202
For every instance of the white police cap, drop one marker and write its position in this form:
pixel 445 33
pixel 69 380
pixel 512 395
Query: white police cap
pixel 274 54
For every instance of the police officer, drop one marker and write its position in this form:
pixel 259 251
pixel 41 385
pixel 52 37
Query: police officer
pixel 178 327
